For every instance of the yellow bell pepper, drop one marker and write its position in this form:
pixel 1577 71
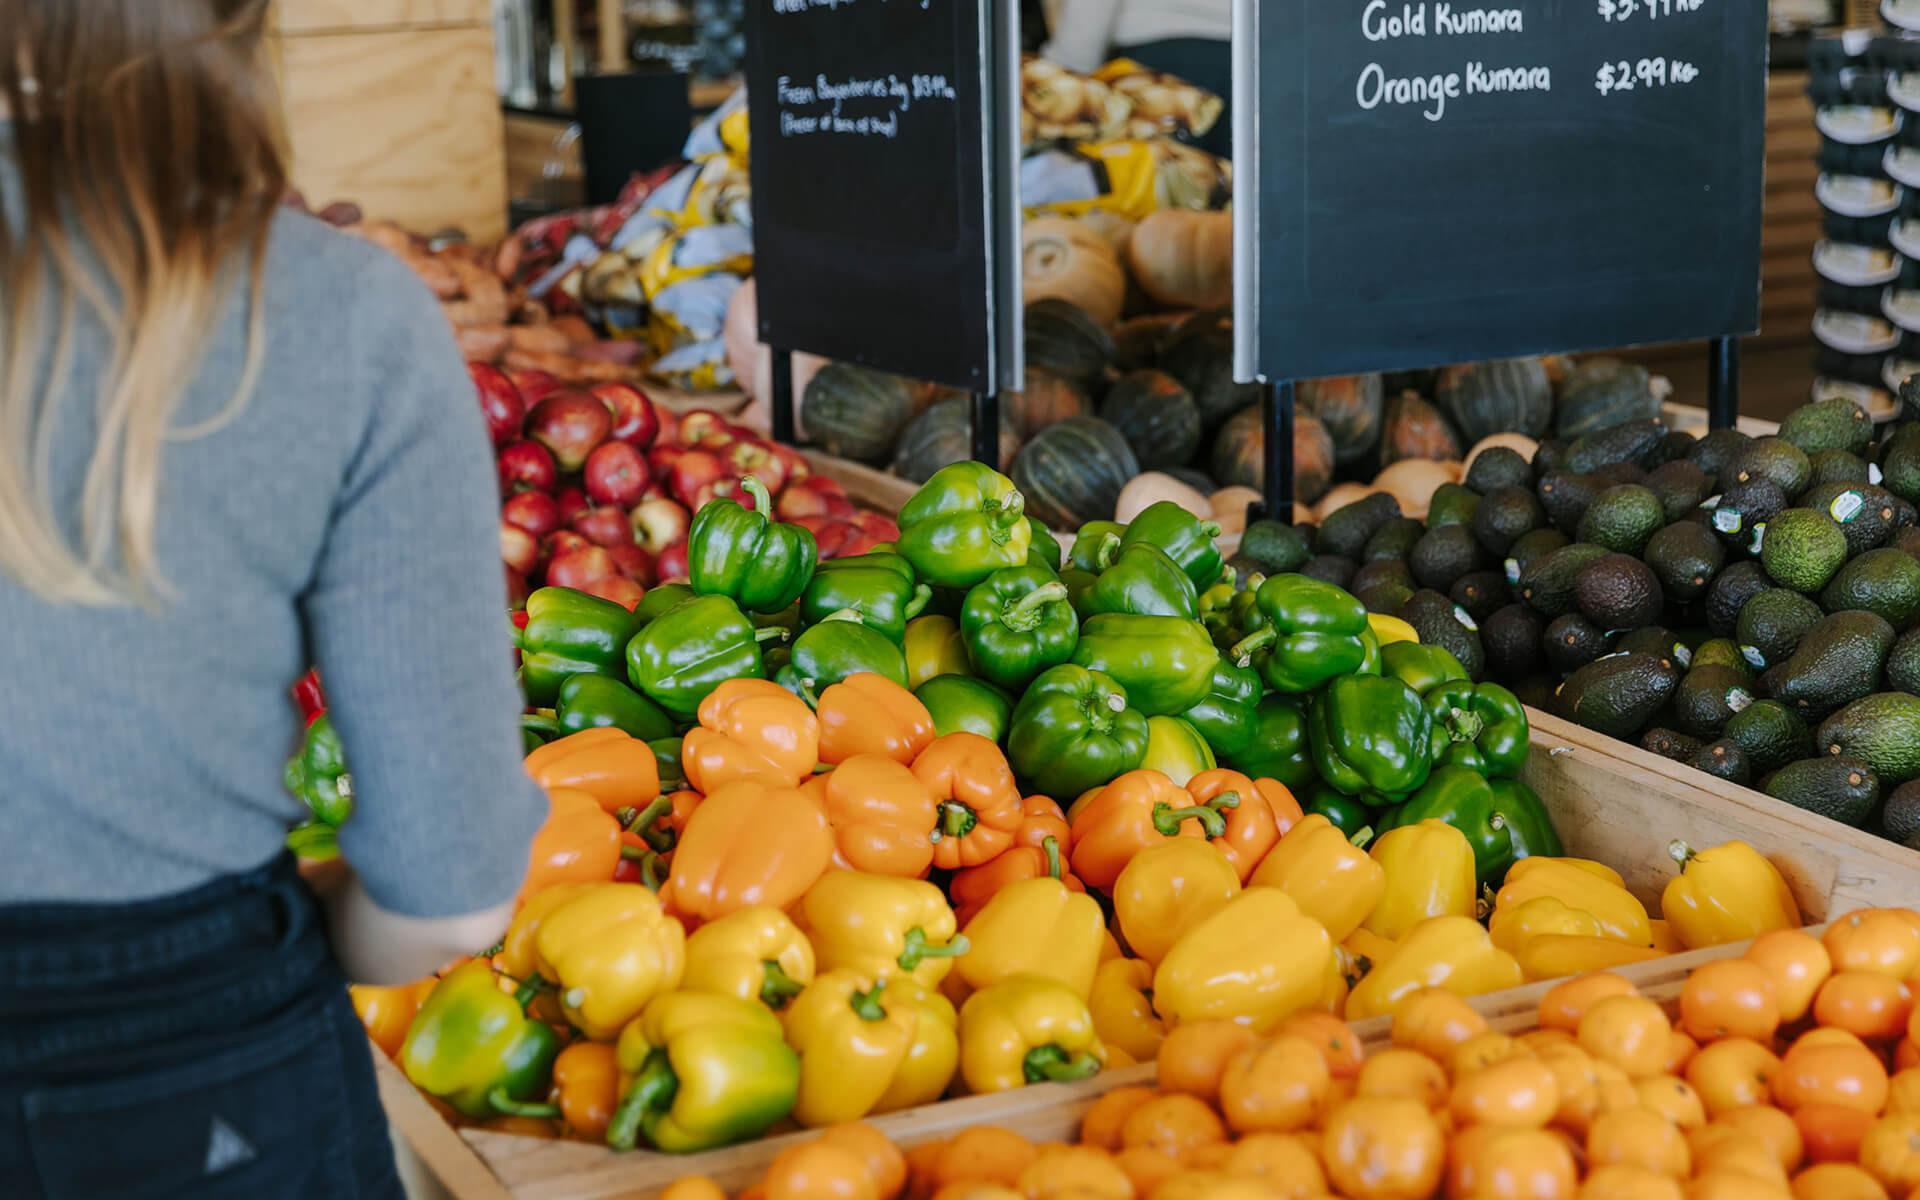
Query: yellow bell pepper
pixel 1035 927
pixel 1552 955
pixel 755 954
pixel 608 948
pixel 1575 883
pixel 1122 1007
pixel 1454 953
pixel 1167 889
pixel 881 925
pixel 934 647
pixel 1429 870
pixel 1026 1029
pixel 1665 940
pixel 1333 984
pixel 1727 894
pixel 869 1045
pixel 1513 924
pixel 1362 951
pixel 1391 629
pixel 1334 881
pixel 1257 961
pixel 699 1070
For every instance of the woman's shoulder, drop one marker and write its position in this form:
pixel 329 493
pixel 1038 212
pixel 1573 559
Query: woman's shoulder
pixel 334 272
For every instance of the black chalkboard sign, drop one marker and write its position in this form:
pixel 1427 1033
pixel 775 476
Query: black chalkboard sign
pixel 1445 182
pixel 874 205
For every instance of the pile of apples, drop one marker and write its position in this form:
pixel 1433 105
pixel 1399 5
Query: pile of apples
pixel 599 485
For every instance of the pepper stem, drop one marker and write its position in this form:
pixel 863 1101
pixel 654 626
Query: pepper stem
pixel 805 689
pixel 1167 818
pixel 1464 725
pixel 508 1106
pixel 650 877
pixel 1225 801
pixel 1361 838
pixel 917 603
pixel 643 820
pixel 653 1090
pixel 1243 650
pixel 1051 1064
pixel 1681 853
pixel 956 819
pixel 845 614
pixel 542 722
pixel 1050 846
pixel 866 1005
pixel 776 986
pixel 918 948
pixel 1209 529
pixel 1106 548
pixel 757 491
pixel 1005 514
pixel 771 633
pixel 1025 614
pixel 529 987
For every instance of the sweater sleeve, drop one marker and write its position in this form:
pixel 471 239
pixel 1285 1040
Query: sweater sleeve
pixel 1082 33
pixel 406 619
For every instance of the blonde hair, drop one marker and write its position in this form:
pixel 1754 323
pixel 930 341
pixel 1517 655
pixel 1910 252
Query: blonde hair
pixel 147 131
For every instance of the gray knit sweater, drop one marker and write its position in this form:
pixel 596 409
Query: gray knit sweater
pixel 347 518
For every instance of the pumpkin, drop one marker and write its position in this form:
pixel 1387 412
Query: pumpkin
pixel 1139 341
pixel 1072 473
pixel 1062 338
pixel 1062 259
pixel 1351 407
pixel 1200 356
pixel 1413 482
pixel 1156 415
pixel 1229 506
pixel 1239 453
pixel 857 412
pixel 1046 399
pixel 1518 443
pixel 1341 495
pixel 1183 258
pixel 1602 392
pixel 1151 487
pixel 1416 429
pixel 752 361
pixel 943 435
pixel 1115 230
pixel 1511 396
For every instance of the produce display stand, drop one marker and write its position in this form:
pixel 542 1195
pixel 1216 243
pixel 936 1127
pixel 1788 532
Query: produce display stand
pixel 1609 803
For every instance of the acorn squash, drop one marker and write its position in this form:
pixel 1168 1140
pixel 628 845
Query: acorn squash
pixel 1416 429
pixel 1156 415
pixel 857 412
pixel 1200 355
pixel 943 435
pixel 1047 399
pixel 1509 396
pixel 1351 407
pixel 1072 473
pixel 1062 338
pixel 1239 453
pixel 1600 393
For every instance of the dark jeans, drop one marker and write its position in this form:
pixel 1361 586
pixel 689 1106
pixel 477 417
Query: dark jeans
pixel 198 1045
pixel 1200 61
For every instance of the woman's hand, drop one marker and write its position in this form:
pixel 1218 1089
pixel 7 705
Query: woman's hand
pixel 377 946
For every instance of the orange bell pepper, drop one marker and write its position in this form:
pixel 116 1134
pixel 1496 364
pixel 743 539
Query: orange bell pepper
pixel 1133 812
pixel 882 816
pixel 748 844
pixel 586 1087
pixel 979 803
pixel 871 714
pixel 750 729
pixel 387 1011
pixel 614 768
pixel 1040 819
pixel 973 887
pixel 1252 827
pixel 1286 807
pixel 579 843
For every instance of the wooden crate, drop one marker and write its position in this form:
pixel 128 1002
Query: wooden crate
pixel 1606 806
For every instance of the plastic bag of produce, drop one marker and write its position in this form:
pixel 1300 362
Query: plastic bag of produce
pixel 722 131
pixel 1160 104
pixel 693 310
pixel 1131 178
pixel 698 367
pixel 695 251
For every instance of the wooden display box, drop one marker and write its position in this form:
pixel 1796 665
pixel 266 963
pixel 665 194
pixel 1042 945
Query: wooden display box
pixel 1607 805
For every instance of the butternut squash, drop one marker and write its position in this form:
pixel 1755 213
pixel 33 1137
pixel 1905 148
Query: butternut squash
pixel 1183 258
pixel 1063 259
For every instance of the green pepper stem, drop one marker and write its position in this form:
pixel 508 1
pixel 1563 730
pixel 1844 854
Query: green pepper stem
pixel 653 1090
pixel 1227 801
pixel 806 689
pixel 866 1005
pixel 1106 548
pixel 650 877
pixel 918 948
pixel 541 721
pixel 1681 853
pixel 644 819
pixel 529 987
pixel 771 633
pixel 956 819
pixel 1051 1064
pixel 844 614
pixel 1005 514
pixel 1050 846
pixel 1243 650
pixel 1464 725
pixel 1210 529
pixel 762 502
pixel 1025 614
pixel 917 603
pixel 1362 837
pixel 508 1106
pixel 1167 818
pixel 776 986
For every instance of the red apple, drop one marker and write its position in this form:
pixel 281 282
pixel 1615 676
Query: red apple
pixel 831 535
pixel 518 548
pixel 633 562
pixel 859 541
pixel 671 565
pixel 571 502
pixel 605 525
pixel 659 523
pixel 560 541
pixel 577 568
pixel 705 429
pixel 817 496
pixel 534 512
pixel 729 486
pixel 570 424
pixel 635 420
pixel 526 466
pixel 657 490
pixel 799 470
pixel 516 590
pixel 669 427
pixel 534 386
pixel 660 458
pixel 617 588
pixel 751 456
pixel 693 472
pixel 500 402
pixel 880 528
pixel 616 473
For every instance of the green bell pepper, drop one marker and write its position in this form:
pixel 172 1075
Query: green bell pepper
pixel 570 633
pixel 963 704
pixel 839 646
pixel 1316 632
pixel 1528 825
pixel 666 754
pixel 1350 814
pixel 1225 716
pixel 1478 725
pixel 474 1046
pixel 594 701
pixel 1176 750
pixel 722 1073
pixel 660 600
pixel 313 841
pixel 1420 667
pixel 743 554
pixel 1045 548
pixel 880 587
pixel 1016 623
pixel 680 657
pixel 1370 733
pixel 1187 540
pixel 1074 730
pixel 1278 749
pixel 1502 825
pixel 1145 582
pixel 317 774
pixel 1165 664
pixel 965 523
pixel 1237 618
pixel 1095 546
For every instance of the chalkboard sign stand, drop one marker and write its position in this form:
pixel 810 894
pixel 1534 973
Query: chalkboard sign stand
pixel 1723 383
pixel 986 428
pixel 1277 474
pixel 782 399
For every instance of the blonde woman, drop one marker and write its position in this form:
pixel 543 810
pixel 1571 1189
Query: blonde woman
pixel 231 442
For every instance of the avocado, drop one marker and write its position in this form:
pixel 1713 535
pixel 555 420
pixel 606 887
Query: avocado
pixel 1722 652
pixel 1511 640
pixel 1243 569
pixel 1840 788
pixel 1670 743
pixel 1571 642
pixel 1883 729
pixel 1771 625
pixel 1278 548
pixel 1564 497
pixel 1481 593
pixel 1618 591
pixel 1622 518
pixel 1716 452
pixel 1686 557
pixel 1724 759
pixel 1615 474
pixel 1836 424
pixel 1900 467
pixel 1618 694
pixel 1837 662
pixel 1729 593
pixel 1903 662
pixel 1330 568
pixel 1866 514
pixel 1681 487
pixel 1886 582
pixel 1440 622
pixel 1656 639
pixel 1770 458
pixel 1707 697
pixel 1504 516
pixel 1445 553
pixel 1837 466
pixel 1549 454
pixel 1802 549
pixel 1451 505
pixel 1394 540
pixel 1546 583
pixel 1743 506
pixel 1630 442
pixel 1771 734
pixel 1345 530
pixel 1383 585
pixel 1528 547
pixel 1900 818
pixel 1907 540
pixel 1497 467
